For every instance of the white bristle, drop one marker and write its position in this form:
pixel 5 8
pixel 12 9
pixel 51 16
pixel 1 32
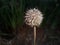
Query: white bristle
pixel 33 17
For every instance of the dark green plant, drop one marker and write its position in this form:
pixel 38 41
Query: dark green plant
pixel 12 13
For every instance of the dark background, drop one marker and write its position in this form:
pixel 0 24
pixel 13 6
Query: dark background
pixel 13 30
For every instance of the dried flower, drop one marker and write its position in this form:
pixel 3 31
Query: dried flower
pixel 33 17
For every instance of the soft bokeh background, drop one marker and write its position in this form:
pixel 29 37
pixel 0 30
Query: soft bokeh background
pixel 13 30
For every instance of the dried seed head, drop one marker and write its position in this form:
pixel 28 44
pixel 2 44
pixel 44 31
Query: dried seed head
pixel 33 17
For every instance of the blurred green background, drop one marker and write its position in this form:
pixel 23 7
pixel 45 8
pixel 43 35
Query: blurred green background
pixel 12 16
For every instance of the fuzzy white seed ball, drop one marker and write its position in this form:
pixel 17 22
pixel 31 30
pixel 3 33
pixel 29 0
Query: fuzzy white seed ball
pixel 33 17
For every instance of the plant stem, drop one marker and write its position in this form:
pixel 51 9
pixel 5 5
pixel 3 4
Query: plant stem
pixel 34 35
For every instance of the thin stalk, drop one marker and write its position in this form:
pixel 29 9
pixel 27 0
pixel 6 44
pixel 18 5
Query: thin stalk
pixel 34 35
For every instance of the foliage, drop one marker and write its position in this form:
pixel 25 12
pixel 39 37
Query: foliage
pixel 11 12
